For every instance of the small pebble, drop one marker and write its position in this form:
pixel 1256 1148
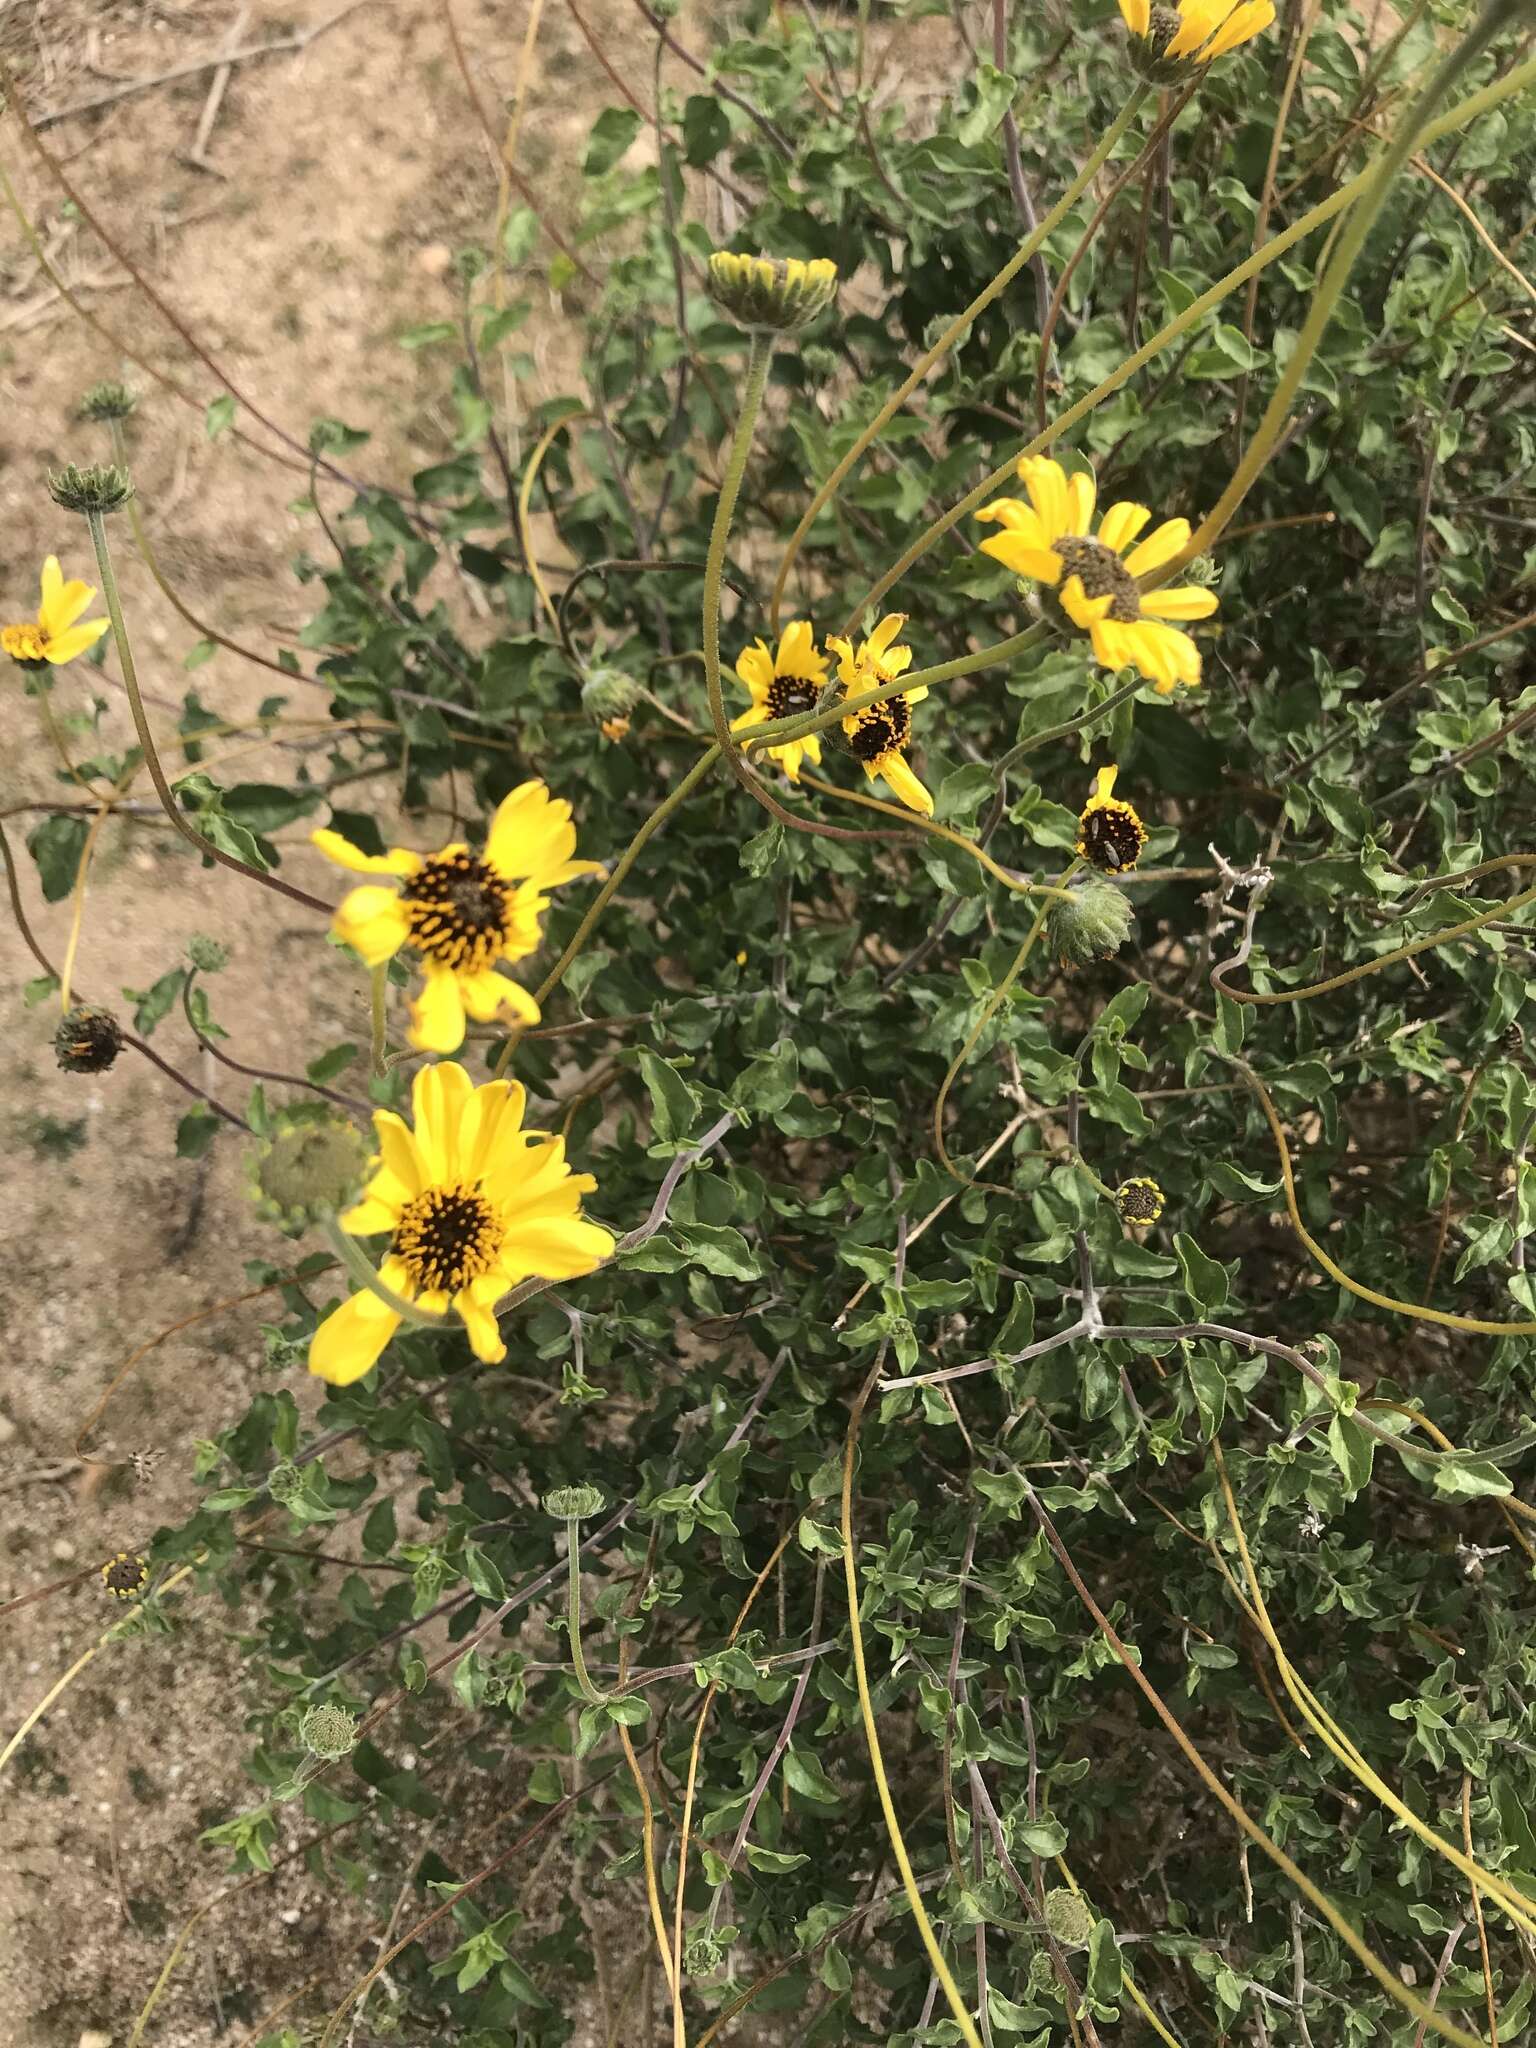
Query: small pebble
pixel 7 1429
pixel 64 1551
pixel 95 2037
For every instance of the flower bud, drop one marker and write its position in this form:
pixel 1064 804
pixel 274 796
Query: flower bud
pixel 573 1503
pixel 771 293
pixel 1069 1917
pixel 125 1576
pixel 1140 1203
pixel 609 693
pixel 102 489
pixel 1092 924
pixel 328 1731
pixel 108 401
pixel 207 955
pixel 88 1040
pixel 311 1166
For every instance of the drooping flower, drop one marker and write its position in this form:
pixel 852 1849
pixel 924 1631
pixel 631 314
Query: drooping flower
pixel 1094 579
pixel 463 912
pixel 783 685
pixel 1109 832
pixel 880 734
pixel 474 1204
pixel 1170 42
pixel 54 637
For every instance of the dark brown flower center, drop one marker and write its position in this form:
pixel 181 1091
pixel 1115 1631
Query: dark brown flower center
pixel 788 696
pixel 1102 574
pixel 882 729
pixel 457 908
pixel 447 1237
pixel 1163 25
pixel 1111 836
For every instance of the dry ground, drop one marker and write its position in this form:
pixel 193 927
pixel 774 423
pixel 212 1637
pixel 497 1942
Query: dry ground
pixel 344 175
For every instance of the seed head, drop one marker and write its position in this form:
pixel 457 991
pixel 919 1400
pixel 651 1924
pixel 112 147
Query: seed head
pixel 328 1731
pixel 1093 923
pixel 125 1576
pixel 102 489
pixel 108 401
pixel 88 1040
pixel 609 693
pixel 771 293
pixel 1140 1202
pixel 1069 1917
pixel 311 1166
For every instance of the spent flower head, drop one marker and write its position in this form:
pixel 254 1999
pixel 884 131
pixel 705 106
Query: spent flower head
pixel 1093 923
pixel 100 489
pixel 328 1731
pixel 108 401
pixel 1110 834
pixel 312 1165
pixel 126 1575
pixel 88 1039
pixel 573 1503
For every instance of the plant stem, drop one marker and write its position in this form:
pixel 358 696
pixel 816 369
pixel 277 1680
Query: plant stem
pixel 98 526
pixel 1026 250
pixel 1469 110
pixel 714 566
pixel 361 1268
pixel 378 985
pixel 573 1611
pixel 1378 183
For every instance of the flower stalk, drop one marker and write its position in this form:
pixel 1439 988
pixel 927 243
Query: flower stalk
pixel 725 510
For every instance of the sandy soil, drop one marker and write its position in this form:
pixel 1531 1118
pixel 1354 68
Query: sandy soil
pixel 342 177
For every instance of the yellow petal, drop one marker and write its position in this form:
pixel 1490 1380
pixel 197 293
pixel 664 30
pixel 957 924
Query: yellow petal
pixel 440 1095
pixel 373 922
pixel 437 1014
pixel 797 654
pixel 1251 19
pixel 348 1343
pixel 1185 601
pixel 370 1216
pixel 1176 655
pixel 904 785
pixel 553 1248
pixel 1046 483
pixel 1158 548
pixel 398 1150
pixel 52 582
pixel 486 994
pixel 73 641
pixel 756 713
pixel 887 630
pixel 1080 608
pixel 754 665
pixel 1081 494
pixel 1137 15
pixel 398 861
pixel 1015 553
pixel 532 837
pixel 1121 524
pixel 492 1123
pixel 1016 517
pixel 1104 785
pixel 1197 18
pixel 481 1328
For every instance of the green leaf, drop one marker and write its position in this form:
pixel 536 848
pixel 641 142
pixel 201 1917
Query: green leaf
pixel 56 845
pixel 1044 1837
pixel 1204 1280
pixel 219 417
pixel 806 1776
pixel 612 133
pixel 674 1106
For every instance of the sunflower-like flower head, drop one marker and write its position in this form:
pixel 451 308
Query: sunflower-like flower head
pixel 1140 1203
pixel 784 683
pixel 125 1576
pixel 463 912
pixel 58 634
pixel 880 734
pixel 473 1204
pixel 772 293
pixel 1092 580
pixel 1174 42
pixel 1109 832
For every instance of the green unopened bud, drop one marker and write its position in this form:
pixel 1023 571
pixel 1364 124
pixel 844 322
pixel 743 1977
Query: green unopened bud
pixel 102 489
pixel 1069 1917
pixel 1092 924
pixel 608 693
pixel 1140 1203
pixel 88 1040
pixel 573 1503
pixel 285 1482
pixel 771 293
pixel 108 401
pixel 328 1732
pixel 703 1955
pixel 312 1166
pixel 207 955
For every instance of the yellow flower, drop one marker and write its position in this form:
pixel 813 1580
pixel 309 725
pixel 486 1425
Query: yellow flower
pixel 463 912
pixel 783 685
pixel 880 734
pixel 771 292
pixel 1109 832
pixel 1140 1202
pixel 55 637
pixel 614 729
pixel 1048 540
pixel 1170 42
pixel 474 1203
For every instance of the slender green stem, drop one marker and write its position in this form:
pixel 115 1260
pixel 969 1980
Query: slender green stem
pixel 1380 178
pixel 725 510
pixel 605 895
pixel 1471 109
pixel 573 1612
pixel 778 730
pixel 361 1269
pixel 377 990
pixel 98 526
pixel 1037 740
pixel 1033 241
